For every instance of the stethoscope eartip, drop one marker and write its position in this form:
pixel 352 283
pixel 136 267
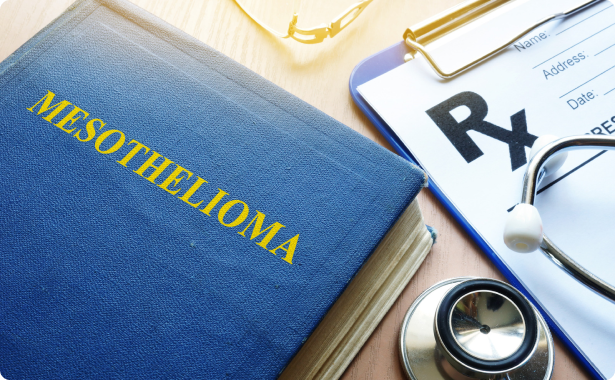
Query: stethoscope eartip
pixel 523 230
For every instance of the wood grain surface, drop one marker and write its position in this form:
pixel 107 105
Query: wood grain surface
pixel 319 75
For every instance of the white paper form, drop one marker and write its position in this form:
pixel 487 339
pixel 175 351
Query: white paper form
pixel 472 135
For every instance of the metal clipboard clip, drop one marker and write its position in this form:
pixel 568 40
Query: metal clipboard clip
pixel 421 34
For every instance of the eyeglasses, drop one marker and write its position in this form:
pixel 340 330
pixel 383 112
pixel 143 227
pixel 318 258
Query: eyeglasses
pixel 319 33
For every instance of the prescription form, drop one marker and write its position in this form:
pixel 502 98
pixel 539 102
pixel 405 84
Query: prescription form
pixel 472 135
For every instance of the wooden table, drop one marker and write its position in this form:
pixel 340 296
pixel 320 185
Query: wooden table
pixel 319 75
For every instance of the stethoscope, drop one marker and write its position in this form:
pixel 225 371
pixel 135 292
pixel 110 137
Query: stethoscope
pixel 523 231
pixel 475 328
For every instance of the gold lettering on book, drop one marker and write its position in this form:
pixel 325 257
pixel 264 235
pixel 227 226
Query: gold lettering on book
pixel 46 106
pixel 257 230
pixel 138 147
pixel 290 250
pixel 90 130
pixel 210 206
pixel 190 192
pixel 239 219
pixel 173 179
pixel 158 169
pixel 115 147
pixel 232 214
pixel 72 117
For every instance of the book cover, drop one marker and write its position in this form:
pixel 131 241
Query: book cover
pixel 168 213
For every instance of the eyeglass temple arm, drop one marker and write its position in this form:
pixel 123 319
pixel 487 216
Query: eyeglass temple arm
pixel 317 34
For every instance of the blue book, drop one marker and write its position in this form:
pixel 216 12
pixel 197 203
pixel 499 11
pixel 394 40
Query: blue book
pixel 167 213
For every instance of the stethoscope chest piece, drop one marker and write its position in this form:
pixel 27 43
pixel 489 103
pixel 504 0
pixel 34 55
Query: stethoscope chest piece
pixel 473 328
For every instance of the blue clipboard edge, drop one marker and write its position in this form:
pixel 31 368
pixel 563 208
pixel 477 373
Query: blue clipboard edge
pixel 384 61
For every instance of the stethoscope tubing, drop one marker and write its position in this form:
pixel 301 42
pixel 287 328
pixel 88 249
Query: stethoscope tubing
pixel 534 174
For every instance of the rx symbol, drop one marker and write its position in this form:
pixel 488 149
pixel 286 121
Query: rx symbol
pixel 457 132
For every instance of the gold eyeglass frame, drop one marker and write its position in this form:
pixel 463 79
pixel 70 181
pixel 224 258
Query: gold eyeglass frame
pixel 319 33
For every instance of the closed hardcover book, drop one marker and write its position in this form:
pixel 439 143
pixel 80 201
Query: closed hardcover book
pixel 167 213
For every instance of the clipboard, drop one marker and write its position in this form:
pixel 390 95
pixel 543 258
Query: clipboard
pixel 396 55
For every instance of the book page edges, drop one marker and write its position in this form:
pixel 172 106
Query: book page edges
pixel 369 296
